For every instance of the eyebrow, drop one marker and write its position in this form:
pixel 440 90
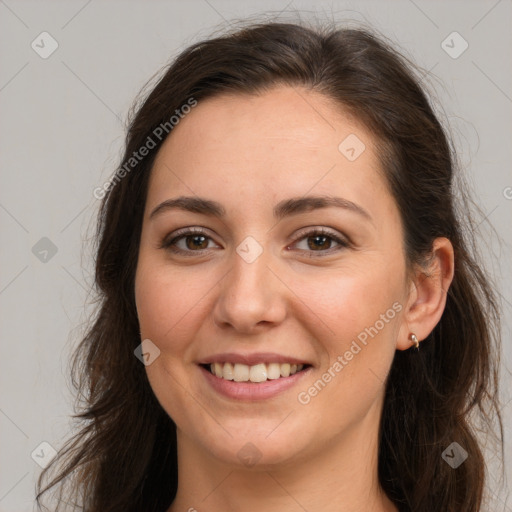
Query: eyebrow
pixel 285 208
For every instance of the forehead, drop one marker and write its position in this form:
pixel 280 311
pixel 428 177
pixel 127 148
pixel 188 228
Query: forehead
pixel 281 117
pixel 284 142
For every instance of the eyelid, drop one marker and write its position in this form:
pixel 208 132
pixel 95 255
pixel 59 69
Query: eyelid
pixel 167 240
pixel 323 230
pixel 342 240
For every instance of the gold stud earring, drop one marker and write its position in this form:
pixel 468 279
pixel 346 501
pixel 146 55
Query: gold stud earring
pixel 415 340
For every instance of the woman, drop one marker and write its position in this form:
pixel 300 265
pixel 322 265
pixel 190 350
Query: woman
pixel 291 317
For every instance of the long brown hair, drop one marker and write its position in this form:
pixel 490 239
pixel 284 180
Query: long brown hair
pixel 124 457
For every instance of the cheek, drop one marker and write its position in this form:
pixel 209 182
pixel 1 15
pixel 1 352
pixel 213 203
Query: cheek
pixel 344 303
pixel 167 308
pixel 354 318
pixel 167 304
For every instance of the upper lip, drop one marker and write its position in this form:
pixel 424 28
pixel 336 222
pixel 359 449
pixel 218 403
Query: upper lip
pixel 252 359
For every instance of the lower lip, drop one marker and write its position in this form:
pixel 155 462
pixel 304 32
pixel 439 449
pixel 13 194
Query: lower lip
pixel 250 391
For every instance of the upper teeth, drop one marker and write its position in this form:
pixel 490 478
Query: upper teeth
pixel 257 373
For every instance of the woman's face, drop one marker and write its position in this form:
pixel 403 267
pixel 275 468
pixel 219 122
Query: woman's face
pixel 295 256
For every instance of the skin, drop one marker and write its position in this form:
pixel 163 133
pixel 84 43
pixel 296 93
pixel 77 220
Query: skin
pixel 249 153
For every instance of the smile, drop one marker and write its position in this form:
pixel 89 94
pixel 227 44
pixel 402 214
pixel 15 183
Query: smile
pixel 261 372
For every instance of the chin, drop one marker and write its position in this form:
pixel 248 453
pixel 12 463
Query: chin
pixel 256 450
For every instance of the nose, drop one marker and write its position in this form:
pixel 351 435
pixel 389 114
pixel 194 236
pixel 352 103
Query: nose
pixel 251 298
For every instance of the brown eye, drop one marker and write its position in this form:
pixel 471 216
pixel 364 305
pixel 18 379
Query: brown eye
pixel 187 241
pixel 320 241
pixel 196 242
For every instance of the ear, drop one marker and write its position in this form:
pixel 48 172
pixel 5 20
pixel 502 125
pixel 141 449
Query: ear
pixel 427 294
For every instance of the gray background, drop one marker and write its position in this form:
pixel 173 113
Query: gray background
pixel 62 129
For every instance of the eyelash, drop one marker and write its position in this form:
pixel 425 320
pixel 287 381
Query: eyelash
pixel 169 243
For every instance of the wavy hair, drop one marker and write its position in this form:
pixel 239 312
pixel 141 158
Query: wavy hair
pixel 123 456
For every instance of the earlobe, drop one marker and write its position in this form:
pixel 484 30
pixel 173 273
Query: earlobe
pixel 427 298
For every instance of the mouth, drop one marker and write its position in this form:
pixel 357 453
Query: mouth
pixel 258 373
